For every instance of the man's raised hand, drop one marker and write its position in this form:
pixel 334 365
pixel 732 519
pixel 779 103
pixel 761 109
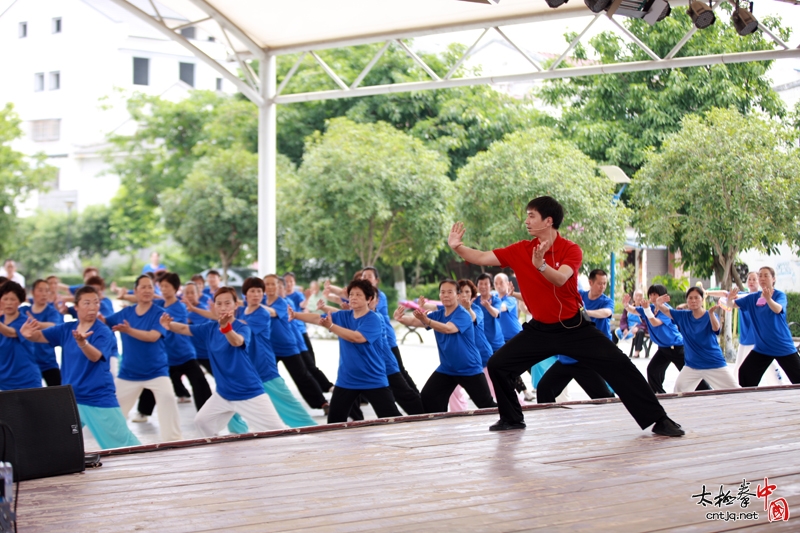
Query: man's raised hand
pixel 454 240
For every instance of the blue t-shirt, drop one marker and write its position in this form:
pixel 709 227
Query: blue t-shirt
pixel 179 347
pixel 298 333
pixel 601 302
pixel 141 360
pixel 666 334
pixel 260 349
pixel 702 351
pixel 566 360
pixel 383 309
pixel 205 300
pixel 383 347
pixel 458 355
pixel 199 344
pixel 234 372
pixel 44 354
pixel 361 365
pixel 491 325
pixel 634 320
pixel 484 348
pixel 149 268
pixel 509 319
pixel 282 334
pixel 18 368
pixel 770 331
pixel 296 297
pixel 746 334
pixel 92 383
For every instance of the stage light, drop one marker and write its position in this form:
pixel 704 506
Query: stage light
pixel 744 21
pixel 556 3
pixel 596 6
pixel 702 15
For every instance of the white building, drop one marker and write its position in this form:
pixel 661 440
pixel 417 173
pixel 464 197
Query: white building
pixel 69 66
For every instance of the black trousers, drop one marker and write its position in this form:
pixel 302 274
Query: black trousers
pixel 406 376
pixel 756 364
pixel 191 369
pixel 657 368
pixel 558 376
pixel 206 363
pixel 342 400
pixel 437 390
pixel 52 376
pixel 406 397
pixel 638 341
pixel 306 384
pixel 318 375
pixel 588 346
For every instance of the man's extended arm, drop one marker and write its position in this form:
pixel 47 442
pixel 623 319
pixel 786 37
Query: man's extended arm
pixel 470 255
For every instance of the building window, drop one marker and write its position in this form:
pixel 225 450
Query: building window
pixel 55 81
pixel 46 130
pixel 212 39
pixel 57 25
pixel 141 71
pixel 38 81
pixel 219 84
pixel 189 32
pixel 187 73
pixel 23 30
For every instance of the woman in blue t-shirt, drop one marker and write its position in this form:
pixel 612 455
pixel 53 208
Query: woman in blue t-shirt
pixel 362 368
pixel 460 361
pixel 239 388
pixel 87 346
pixel 17 367
pixel 144 362
pixel 47 315
pixel 771 335
pixel 703 356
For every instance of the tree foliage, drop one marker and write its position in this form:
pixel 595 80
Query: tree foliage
pixel 616 118
pixel 42 241
pixel 370 191
pixel 494 188
pixel 725 183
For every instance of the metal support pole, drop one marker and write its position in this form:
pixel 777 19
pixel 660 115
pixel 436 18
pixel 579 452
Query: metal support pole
pixel 267 153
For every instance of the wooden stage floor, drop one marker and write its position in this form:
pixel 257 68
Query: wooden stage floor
pixel 581 467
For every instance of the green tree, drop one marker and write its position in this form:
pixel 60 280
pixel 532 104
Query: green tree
pixel 41 243
pixel 92 233
pixel 19 176
pixel 616 118
pixel 495 186
pixel 371 191
pixel 213 214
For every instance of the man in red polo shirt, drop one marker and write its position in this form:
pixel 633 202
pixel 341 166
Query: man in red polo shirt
pixel 546 268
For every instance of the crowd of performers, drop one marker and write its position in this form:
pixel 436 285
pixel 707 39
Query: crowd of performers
pixel 173 329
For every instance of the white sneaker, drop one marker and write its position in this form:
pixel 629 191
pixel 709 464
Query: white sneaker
pixel 529 396
pixel 139 417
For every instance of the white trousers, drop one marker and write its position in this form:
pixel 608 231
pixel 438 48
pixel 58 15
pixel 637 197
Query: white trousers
pixel 259 413
pixel 169 422
pixel 772 376
pixel 717 378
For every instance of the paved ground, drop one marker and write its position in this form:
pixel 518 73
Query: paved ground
pixel 419 358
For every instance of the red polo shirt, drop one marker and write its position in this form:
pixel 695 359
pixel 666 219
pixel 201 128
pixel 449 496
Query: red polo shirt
pixel 544 303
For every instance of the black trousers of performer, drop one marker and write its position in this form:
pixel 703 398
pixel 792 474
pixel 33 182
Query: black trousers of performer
pixel 519 385
pixel 306 384
pixel 319 376
pixel 206 363
pixel 558 376
pixel 406 376
pixel 342 400
pixel 753 368
pixel 406 397
pixel 657 368
pixel 437 390
pixel 191 369
pixel 52 376
pixel 588 346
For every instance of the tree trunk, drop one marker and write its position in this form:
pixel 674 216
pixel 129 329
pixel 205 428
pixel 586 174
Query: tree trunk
pixel 400 282
pixel 226 262
pixel 726 318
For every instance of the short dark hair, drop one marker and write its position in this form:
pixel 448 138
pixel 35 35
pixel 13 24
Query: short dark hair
pixel 468 283
pixel 698 290
pixel 3 279
pixel 770 269
pixel 485 275
pixel 212 272
pixel 172 278
pixel 547 206
pixel 150 275
pixel 454 282
pixel 198 277
pixel 226 290
pixel 51 277
pixel 357 275
pixel 90 269
pixel 281 280
pixel 657 289
pixel 13 287
pixel 290 274
pixel 37 282
pixel 365 286
pixel 96 280
pixel 253 283
pixel 597 272
pixel 140 278
pixel 373 269
pixel 86 289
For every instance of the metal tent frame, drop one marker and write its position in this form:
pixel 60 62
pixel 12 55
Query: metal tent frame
pixel 263 90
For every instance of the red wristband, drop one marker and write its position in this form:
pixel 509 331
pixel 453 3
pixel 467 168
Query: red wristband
pixel 227 328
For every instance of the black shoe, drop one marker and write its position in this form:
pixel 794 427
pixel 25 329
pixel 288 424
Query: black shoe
pixel 502 425
pixel 667 428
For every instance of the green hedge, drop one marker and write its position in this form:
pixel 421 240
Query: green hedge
pixel 793 310
pixel 428 290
